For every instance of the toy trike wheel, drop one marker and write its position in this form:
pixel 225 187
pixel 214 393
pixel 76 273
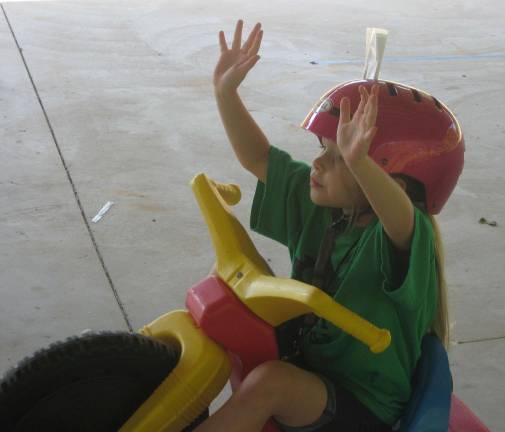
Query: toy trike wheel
pixel 90 383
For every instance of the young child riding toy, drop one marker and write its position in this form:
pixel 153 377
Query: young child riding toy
pixel 358 223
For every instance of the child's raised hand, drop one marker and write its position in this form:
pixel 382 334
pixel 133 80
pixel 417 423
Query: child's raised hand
pixel 355 135
pixel 237 61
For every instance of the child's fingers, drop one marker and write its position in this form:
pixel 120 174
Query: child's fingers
pixel 361 99
pixel 361 107
pixel 358 114
pixel 375 94
pixel 366 98
pixel 247 64
pixel 237 38
pixel 252 37
pixel 371 134
pixel 345 110
pixel 257 43
pixel 222 42
pixel 371 111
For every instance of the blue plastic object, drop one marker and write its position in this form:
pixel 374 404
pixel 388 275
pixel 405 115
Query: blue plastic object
pixel 429 406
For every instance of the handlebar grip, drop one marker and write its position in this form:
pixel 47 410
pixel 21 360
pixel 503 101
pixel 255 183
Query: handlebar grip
pixel 277 300
pixel 229 192
pixel 376 338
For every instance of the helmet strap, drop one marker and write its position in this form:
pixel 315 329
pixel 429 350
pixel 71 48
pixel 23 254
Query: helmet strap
pixel 338 222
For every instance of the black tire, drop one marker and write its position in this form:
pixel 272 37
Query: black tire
pixel 89 383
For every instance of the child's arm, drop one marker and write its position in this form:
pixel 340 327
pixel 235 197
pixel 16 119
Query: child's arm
pixel 387 198
pixel 248 141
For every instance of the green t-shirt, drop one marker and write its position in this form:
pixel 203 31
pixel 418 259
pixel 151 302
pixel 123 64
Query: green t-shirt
pixel 370 282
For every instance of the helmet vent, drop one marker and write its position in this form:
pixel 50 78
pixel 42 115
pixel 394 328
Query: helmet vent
pixel 417 96
pixel 392 90
pixel 335 111
pixel 437 104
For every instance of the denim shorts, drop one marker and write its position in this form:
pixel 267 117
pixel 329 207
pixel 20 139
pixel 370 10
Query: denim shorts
pixel 343 412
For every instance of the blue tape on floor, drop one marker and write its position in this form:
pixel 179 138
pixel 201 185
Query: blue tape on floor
pixel 407 59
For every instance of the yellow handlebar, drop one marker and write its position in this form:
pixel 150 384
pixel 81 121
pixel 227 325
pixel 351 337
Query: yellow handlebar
pixel 229 192
pixel 274 300
pixel 279 299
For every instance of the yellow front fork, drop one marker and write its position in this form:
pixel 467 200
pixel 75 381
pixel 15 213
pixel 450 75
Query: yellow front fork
pixel 199 376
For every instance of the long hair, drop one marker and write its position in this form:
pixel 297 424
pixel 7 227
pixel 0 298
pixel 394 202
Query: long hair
pixel 416 192
pixel 440 325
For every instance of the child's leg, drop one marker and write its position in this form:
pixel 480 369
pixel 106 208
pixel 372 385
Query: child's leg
pixel 277 389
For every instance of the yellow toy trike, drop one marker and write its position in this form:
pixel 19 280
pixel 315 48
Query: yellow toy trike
pixel 165 377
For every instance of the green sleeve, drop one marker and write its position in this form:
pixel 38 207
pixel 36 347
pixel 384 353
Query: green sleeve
pixel 280 206
pixel 418 286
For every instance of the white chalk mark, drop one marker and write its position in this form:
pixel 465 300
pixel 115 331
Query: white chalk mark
pixel 102 211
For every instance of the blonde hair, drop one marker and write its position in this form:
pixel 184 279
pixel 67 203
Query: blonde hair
pixel 440 325
pixel 416 193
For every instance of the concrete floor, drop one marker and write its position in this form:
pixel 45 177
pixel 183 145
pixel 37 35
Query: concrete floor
pixel 112 101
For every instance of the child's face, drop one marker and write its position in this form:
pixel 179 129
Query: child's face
pixel 331 182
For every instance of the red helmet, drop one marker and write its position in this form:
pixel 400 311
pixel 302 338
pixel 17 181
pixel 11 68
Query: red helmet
pixel 417 135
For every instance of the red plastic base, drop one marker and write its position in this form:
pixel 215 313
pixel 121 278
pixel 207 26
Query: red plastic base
pixel 250 340
pixel 462 419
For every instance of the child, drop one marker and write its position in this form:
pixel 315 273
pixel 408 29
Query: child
pixel 382 184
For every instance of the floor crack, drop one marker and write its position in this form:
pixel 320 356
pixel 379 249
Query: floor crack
pixel 74 189
pixel 480 340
